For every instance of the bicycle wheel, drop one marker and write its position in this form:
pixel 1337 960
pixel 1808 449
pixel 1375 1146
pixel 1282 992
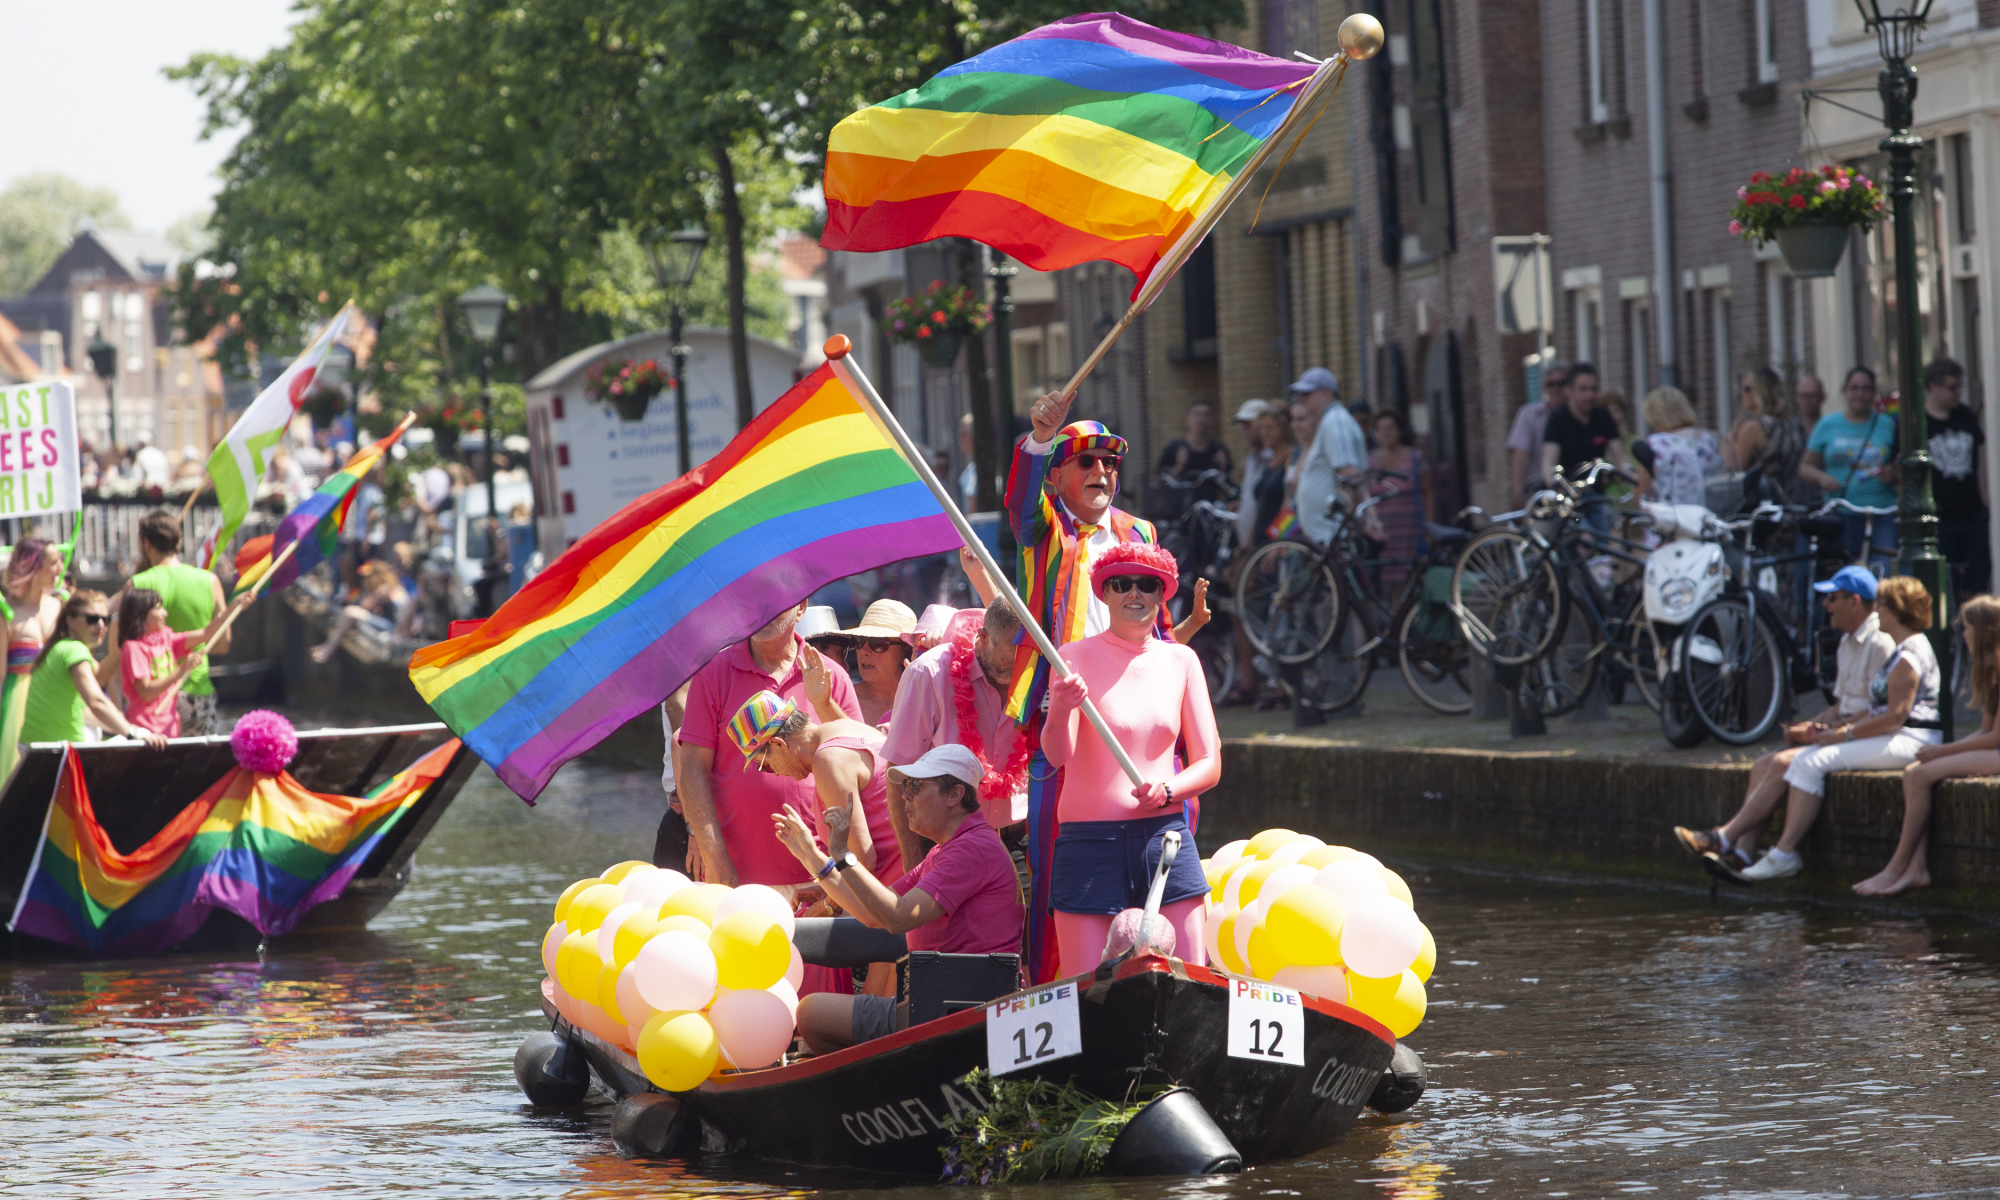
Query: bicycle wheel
pixel 1338 675
pixel 1636 632
pixel 1215 645
pixel 1507 598
pixel 1564 676
pixel 1435 660
pixel 1288 601
pixel 1734 671
pixel 1678 722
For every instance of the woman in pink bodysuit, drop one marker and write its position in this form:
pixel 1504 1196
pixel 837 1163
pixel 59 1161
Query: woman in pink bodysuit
pixel 1153 696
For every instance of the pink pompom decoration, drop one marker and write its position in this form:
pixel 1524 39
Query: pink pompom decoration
pixel 263 741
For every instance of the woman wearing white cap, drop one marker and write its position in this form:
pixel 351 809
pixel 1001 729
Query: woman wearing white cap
pixel 961 899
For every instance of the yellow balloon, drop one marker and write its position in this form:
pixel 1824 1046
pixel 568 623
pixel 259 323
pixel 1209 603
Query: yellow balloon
pixel 1267 841
pixel 685 924
pixel 1253 881
pixel 618 873
pixel 1266 959
pixel 1321 856
pixel 678 1050
pixel 751 951
pixel 1398 1002
pixel 607 993
pixel 1304 926
pixel 587 968
pixel 696 900
pixel 1397 887
pixel 1427 957
pixel 1214 874
pixel 634 933
pixel 588 910
pixel 570 893
pixel 1225 945
pixel 568 968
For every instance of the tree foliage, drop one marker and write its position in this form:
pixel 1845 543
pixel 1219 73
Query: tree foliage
pixel 38 217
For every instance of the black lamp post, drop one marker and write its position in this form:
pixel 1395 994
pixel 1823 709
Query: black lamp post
pixel 483 307
pixel 676 257
pixel 1897 27
pixel 104 361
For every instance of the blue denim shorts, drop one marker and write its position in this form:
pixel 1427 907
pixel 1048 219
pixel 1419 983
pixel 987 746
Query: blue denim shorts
pixel 1105 867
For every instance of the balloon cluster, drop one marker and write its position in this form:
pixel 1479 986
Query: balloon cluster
pixel 1288 908
pixel 689 977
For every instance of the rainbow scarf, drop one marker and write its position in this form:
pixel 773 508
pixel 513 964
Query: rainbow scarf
pixel 260 846
pixel 1096 137
pixel 811 491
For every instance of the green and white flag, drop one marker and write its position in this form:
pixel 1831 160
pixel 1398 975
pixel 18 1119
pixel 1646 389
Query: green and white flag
pixel 240 460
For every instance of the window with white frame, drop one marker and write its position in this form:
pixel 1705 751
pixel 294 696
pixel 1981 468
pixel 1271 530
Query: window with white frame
pixel 1586 307
pixel 1725 383
pixel 1766 43
pixel 1593 51
pixel 1639 337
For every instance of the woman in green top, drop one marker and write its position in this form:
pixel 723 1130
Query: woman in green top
pixel 64 683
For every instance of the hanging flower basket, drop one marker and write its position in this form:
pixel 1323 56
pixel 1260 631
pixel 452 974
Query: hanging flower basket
pixel 1808 213
pixel 937 320
pixel 626 386
pixel 940 350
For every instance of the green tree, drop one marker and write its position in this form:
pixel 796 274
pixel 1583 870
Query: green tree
pixel 38 218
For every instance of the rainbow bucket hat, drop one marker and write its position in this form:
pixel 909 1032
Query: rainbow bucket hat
pixel 1077 437
pixel 757 722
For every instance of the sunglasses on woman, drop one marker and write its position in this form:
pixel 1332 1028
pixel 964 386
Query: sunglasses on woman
pixel 94 620
pixel 877 645
pixel 1147 585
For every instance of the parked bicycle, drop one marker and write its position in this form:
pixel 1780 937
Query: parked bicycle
pixel 1203 542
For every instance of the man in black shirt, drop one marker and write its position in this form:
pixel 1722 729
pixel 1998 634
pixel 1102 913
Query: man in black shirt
pixel 1185 458
pixel 1958 478
pixel 1582 432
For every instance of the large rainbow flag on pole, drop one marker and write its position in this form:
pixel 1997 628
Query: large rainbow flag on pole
pixel 260 846
pixel 333 499
pixel 812 491
pixel 1097 137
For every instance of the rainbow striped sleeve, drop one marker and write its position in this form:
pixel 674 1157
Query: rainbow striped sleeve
pixel 1097 137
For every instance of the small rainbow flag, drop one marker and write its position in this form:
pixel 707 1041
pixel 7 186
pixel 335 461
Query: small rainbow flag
pixel 1096 137
pixel 812 491
pixel 260 846
pixel 333 499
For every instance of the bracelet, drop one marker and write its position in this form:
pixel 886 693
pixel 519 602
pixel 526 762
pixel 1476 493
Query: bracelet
pixel 820 875
pixel 1168 788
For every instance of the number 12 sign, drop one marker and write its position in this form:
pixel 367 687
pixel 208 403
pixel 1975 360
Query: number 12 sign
pixel 1266 1023
pixel 1032 1028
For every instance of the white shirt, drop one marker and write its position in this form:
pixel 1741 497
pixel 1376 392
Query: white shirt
pixel 1096 613
pixel 154 467
pixel 667 759
pixel 1860 656
pixel 1246 500
pixel 1338 443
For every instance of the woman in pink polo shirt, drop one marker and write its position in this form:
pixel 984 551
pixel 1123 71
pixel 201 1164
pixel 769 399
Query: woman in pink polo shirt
pixel 1153 696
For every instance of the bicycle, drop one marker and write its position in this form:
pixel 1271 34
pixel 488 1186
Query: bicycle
pixel 1203 542
pixel 1312 606
pixel 1516 583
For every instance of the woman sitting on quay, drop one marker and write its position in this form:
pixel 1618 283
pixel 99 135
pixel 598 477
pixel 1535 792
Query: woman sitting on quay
pixel 1902 720
pixel 63 690
pixel 1152 695
pixel 1976 755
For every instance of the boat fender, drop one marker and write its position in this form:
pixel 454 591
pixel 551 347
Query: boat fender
pixel 550 1072
pixel 651 1125
pixel 1402 1084
pixel 1174 1135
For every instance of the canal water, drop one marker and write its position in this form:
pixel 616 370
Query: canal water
pixel 1582 1040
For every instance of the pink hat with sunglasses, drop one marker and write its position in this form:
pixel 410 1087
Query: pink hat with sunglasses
pixel 1136 558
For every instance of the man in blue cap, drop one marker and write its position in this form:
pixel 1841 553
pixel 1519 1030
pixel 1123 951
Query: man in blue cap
pixel 1850 605
pixel 1338 453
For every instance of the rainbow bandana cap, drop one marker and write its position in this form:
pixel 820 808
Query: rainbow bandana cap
pixel 1077 437
pixel 757 722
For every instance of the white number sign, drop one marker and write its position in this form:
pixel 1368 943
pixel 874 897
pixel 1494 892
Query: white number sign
pixel 1032 1028
pixel 1266 1023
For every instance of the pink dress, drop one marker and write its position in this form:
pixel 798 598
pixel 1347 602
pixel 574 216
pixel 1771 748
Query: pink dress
pixel 1153 695
pixel 874 804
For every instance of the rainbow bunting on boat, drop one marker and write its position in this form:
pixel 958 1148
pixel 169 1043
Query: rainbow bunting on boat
pixel 260 846
pixel 333 499
pixel 1097 137
pixel 812 491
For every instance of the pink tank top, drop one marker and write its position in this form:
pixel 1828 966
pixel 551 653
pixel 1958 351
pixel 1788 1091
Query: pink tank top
pixel 1152 694
pixel 874 803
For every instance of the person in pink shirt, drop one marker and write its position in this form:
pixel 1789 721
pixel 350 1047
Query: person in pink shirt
pixel 966 677
pixel 729 808
pixel 154 660
pixel 843 759
pixel 1153 696
pixel 961 899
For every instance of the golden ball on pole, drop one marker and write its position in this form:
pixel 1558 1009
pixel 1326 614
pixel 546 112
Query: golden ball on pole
pixel 1360 36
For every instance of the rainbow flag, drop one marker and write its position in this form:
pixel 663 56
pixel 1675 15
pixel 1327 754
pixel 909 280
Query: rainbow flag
pixel 1097 137
pixel 812 491
pixel 334 498
pixel 260 846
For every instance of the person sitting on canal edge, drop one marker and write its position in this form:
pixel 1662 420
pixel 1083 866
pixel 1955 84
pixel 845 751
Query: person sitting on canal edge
pixel 1850 605
pixel 961 899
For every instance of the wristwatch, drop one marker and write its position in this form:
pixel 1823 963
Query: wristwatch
pixel 845 861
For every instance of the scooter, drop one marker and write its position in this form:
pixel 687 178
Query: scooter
pixel 1684 573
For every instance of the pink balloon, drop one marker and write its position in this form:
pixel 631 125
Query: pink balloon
pixel 796 973
pixel 1381 938
pixel 1352 881
pixel 651 888
pixel 1247 922
pixel 676 972
pixel 1284 878
pixel 1327 982
pixel 557 932
pixel 754 1027
pixel 563 1001
pixel 755 897
pixel 607 933
pixel 631 1005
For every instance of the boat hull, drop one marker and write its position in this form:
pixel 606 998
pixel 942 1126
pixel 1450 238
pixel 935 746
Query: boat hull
pixel 884 1105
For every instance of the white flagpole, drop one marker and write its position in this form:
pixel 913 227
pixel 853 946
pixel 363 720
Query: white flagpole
pixel 837 348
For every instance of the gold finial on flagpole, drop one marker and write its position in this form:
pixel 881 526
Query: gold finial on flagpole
pixel 1360 36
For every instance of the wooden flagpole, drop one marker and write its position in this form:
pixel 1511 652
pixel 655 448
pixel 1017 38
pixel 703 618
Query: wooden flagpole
pixel 837 348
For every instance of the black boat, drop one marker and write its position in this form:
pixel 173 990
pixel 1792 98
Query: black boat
pixel 883 1105
pixel 136 790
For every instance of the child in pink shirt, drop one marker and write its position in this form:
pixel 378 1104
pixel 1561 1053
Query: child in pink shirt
pixel 154 661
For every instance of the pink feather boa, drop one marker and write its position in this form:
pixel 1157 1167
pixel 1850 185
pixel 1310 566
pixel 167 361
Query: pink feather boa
pixel 996 784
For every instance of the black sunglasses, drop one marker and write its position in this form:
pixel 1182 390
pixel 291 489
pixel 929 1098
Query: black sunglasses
pixel 1109 462
pixel 93 619
pixel 1147 584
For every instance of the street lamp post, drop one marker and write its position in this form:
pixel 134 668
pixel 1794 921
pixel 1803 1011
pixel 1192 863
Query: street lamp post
pixel 104 361
pixel 483 307
pixel 676 257
pixel 1896 32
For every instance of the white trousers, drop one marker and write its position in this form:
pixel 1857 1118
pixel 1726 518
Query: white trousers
pixel 1883 752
